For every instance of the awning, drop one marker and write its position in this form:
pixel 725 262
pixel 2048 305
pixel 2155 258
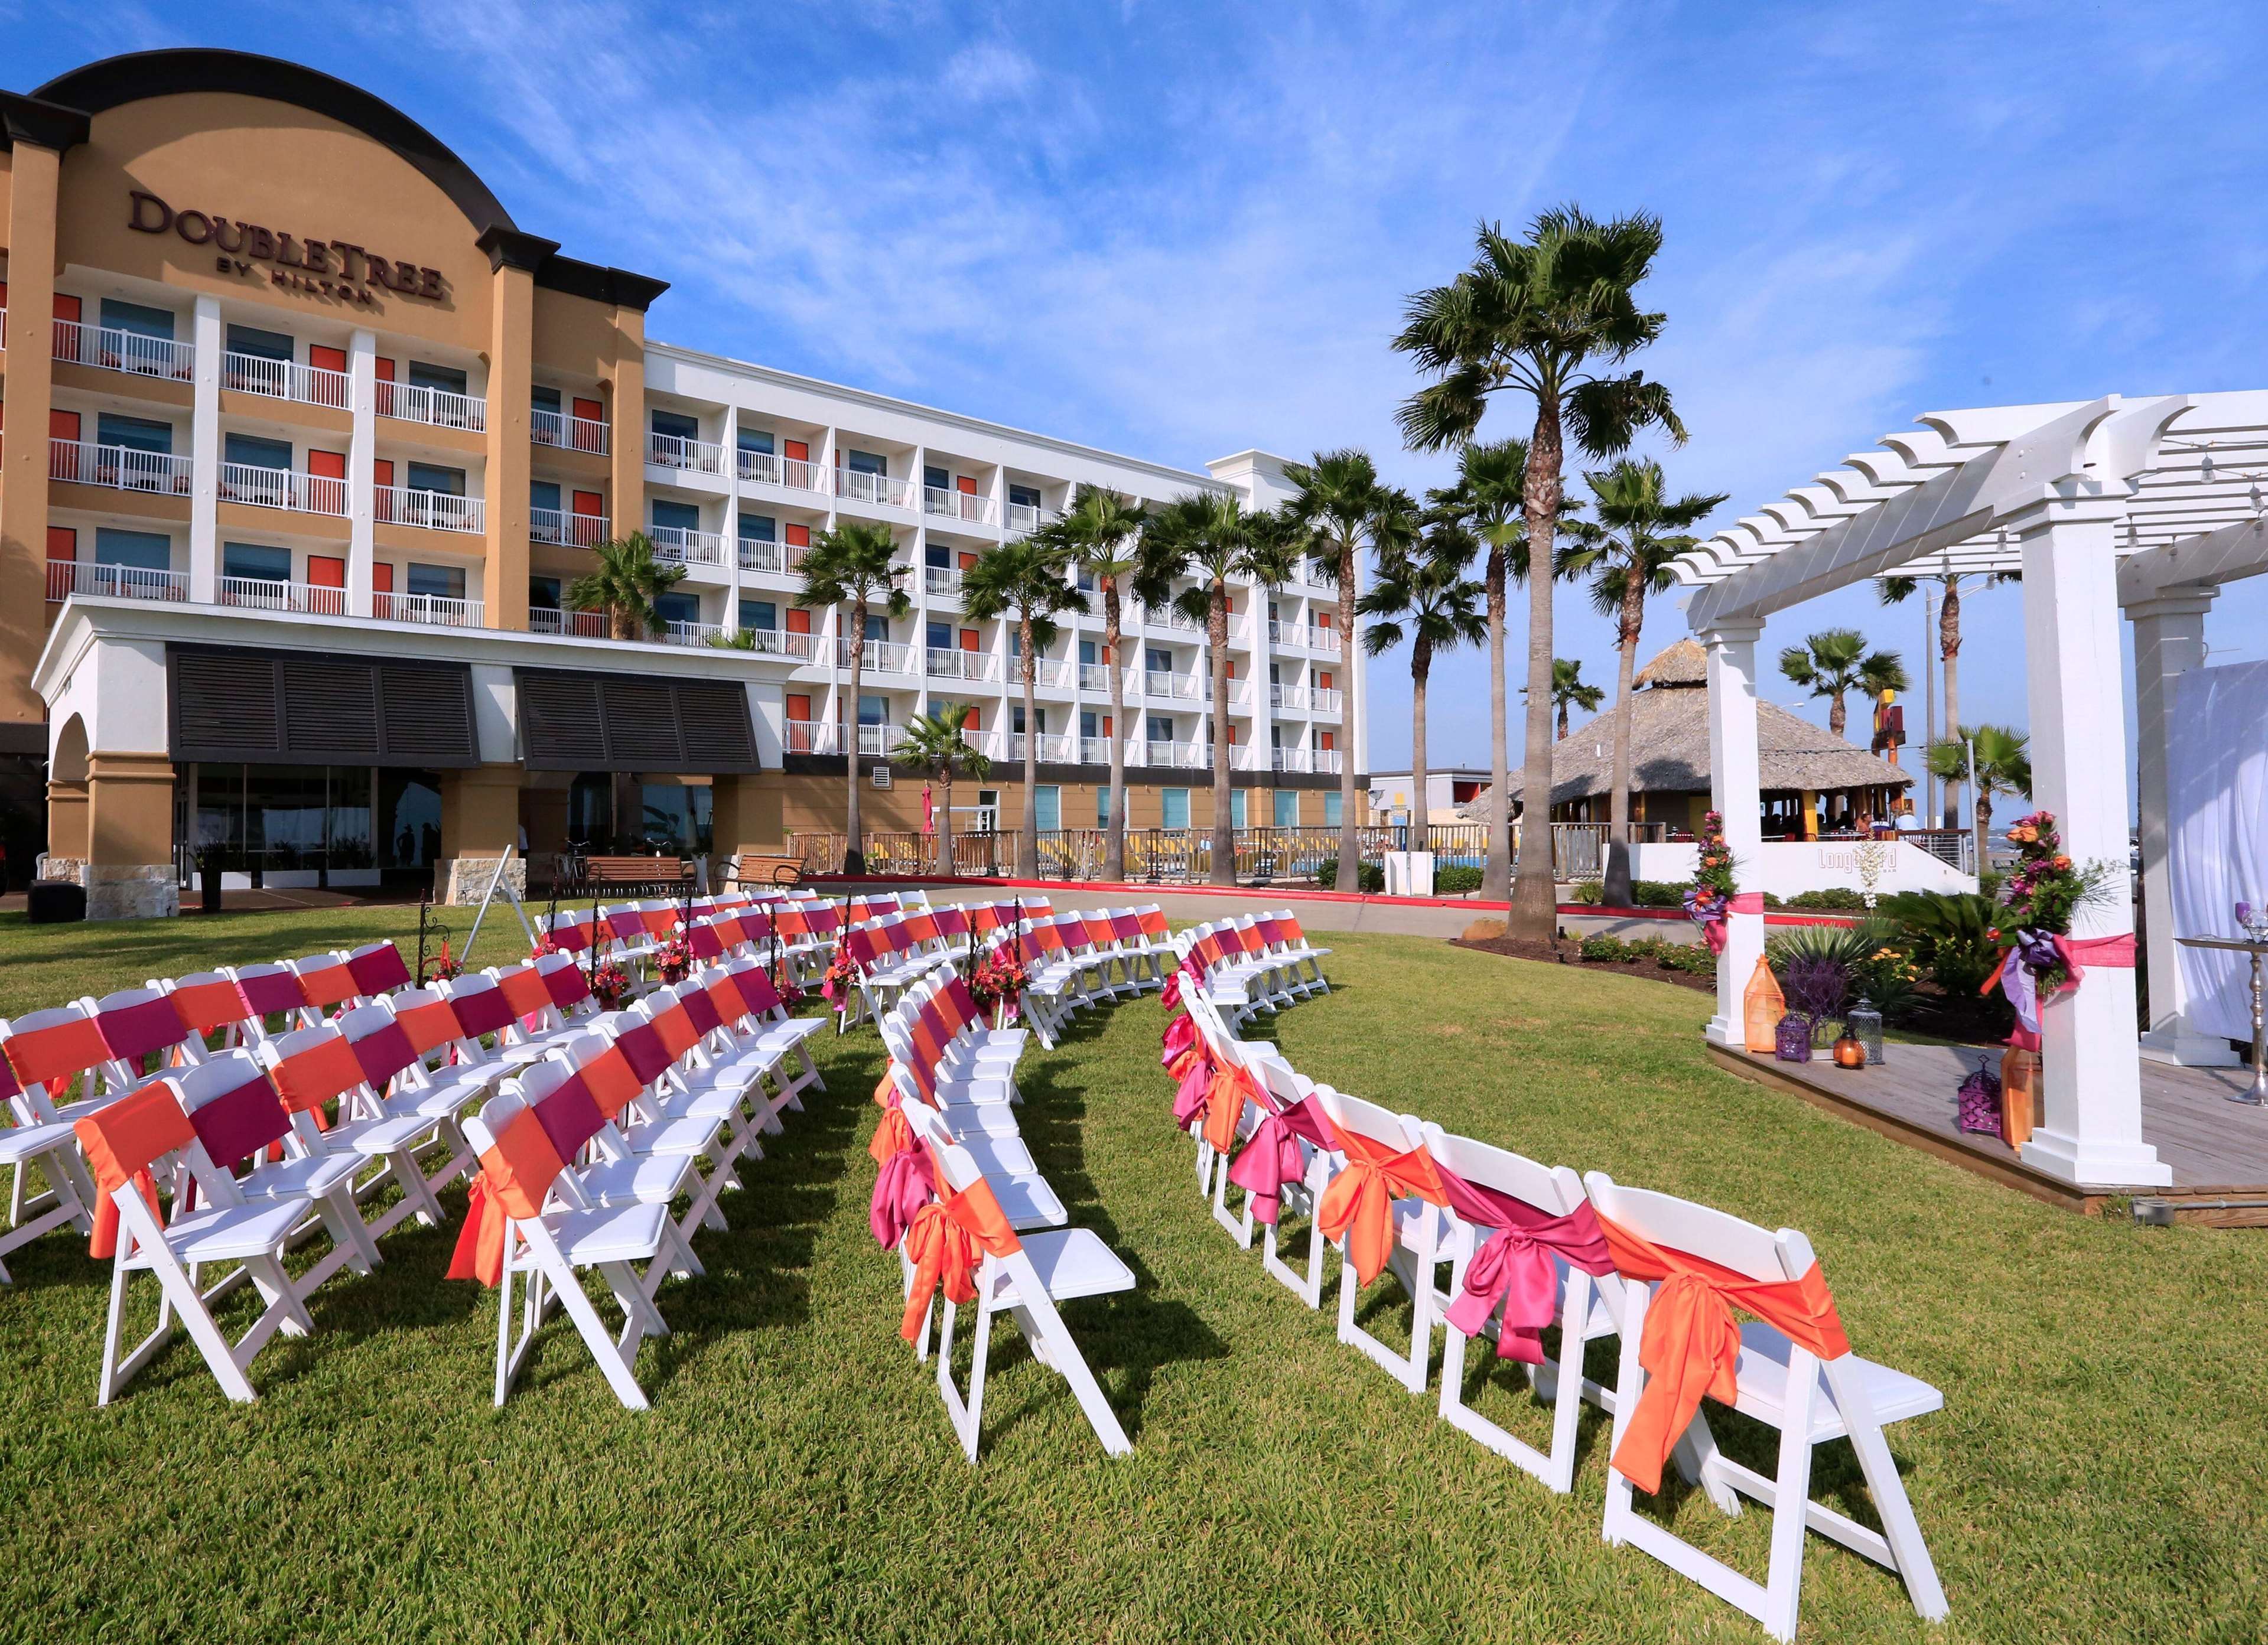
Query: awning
pixel 305 707
pixel 574 720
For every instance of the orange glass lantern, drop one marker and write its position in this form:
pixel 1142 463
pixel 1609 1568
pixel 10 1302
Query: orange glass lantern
pixel 2019 1096
pixel 1850 1053
pixel 1764 1005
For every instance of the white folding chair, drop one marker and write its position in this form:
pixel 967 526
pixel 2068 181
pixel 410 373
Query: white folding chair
pixel 1375 1142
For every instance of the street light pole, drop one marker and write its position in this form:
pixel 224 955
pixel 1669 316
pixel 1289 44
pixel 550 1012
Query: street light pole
pixel 1976 816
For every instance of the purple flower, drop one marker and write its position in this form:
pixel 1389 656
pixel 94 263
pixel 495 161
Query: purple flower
pixel 2245 913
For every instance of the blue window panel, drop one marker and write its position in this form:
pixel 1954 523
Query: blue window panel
pixel 1027 496
pixel 675 425
pixel 756 440
pixel 759 528
pixel 261 345
pixel 258 562
pixel 1160 662
pixel 1087 654
pixel 878 627
pixel 1236 808
pixel 1288 808
pixel 874 710
pixel 1331 808
pixel 937 479
pixel 145 551
pixel 679 607
pixel 251 451
pixel 936 555
pixel 543 494
pixel 677 515
pixel 1175 803
pixel 543 593
pixel 1102 806
pixel 450 482
pixel 1090 723
pixel 940 636
pixel 136 434
pixel 759 614
pixel 543 398
pixel 447 378
pixel 1161 728
pixel 1047 800
pixel 866 463
pixel 437 582
pixel 138 317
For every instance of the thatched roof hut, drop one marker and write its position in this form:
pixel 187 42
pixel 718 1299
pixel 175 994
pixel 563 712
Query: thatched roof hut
pixel 1669 756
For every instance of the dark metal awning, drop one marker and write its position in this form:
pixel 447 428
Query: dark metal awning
pixel 576 720
pixel 307 708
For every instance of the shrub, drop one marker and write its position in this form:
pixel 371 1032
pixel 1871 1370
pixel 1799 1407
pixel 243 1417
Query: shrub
pixel 1946 935
pixel 1454 881
pixel 1369 877
pixel 1606 949
pixel 1590 892
pixel 1840 899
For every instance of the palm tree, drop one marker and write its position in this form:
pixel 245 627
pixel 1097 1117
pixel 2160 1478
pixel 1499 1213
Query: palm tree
pixel 627 583
pixel 854 565
pixel 1569 691
pixel 1027 579
pixel 2004 765
pixel 1897 589
pixel 1425 596
pixel 1639 532
pixel 935 745
pixel 1835 662
pixel 1338 504
pixel 1104 530
pixel 1211 537
pixel 1550 317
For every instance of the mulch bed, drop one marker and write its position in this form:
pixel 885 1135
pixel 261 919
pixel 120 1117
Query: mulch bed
pixel 1566 951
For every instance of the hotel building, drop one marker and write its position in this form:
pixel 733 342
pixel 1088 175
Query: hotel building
pixel 304 440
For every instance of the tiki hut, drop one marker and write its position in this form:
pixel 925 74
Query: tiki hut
pixel 1804 766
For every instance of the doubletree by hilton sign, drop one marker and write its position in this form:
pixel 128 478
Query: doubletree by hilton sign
pixel 333 268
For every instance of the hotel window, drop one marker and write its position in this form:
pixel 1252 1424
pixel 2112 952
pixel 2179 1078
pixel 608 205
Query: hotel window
pixel 1089 723
pixel 437 582
pixel 446 378
pixel 1174 807
pixel 1016 718
pixel 874 710
pixel 1160 661
pixel 1047 800
pixel 938 556
pixel 144 551
pixel 1331 808
pixel 1088 655
pixel 450 482
pixel 674 425
pixel 676 517
pixel 136 434
pixel 1024 497
pixel 678 608
pixel 759 528
pixel 541 397
pixel 937 479
pixel 757 440
pixel 543 494
pixel 878 627
pixel 1236 808
pixel 256 563
pixel 261 345
pixel 1102 806
pixel 137 317
pixel 866 463
pixel 543 593
pixel 1288 808
pixel 1161 728
pixel 760 614
pixel 249 451
pixel 940 636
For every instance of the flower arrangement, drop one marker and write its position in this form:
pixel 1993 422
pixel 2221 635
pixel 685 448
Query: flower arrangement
pixel 996 985
pixel 444 965
pixel 544 946
pixel 1711 896
pixel 2040 896
pixel 784 984
pixel 840 982
pixel 673 959
pixel 610 984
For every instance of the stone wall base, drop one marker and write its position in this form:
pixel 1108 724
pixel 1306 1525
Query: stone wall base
pixel 462 881
pixel 68 868
pixel 139 891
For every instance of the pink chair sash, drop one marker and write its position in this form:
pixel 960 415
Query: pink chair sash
pixel 1272 1158
pixel 1514 1268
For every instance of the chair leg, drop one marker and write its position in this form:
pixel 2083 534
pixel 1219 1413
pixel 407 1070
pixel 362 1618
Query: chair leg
pixel 1792 1492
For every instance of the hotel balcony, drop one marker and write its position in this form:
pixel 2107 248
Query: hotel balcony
pixel 773 642
pixel 255 593
pixel 880 657
pixel 580 625
pixel 759 556
pixel 566 433
pixel 1239 691
pixel 1024 516
pixel 302 494
pixel 1094 751
pixel 860 487
pixel 1324 699
pixel 681 545
pixel 1162 685
pixel 285 379
pixel 1167 617
pixel 1287 758
pixel 1169 756
pixel 109 349
pixel 1096 677
pixel 816 737
pixel 942 581
pixel 1287 697
pixel 573 530
pixel 945 664
pixel 1052 748
pixel 67 577
pixel 956 505
pixel 696 457
pixel 437 408
pixel 120 468
pixel 1053 673
pixel 1313 636
pixel 430 510
pixel 789 474
pixel 692 633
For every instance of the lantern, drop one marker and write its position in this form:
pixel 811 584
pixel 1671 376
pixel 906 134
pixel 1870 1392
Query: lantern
pixel 2019 1096
pixel 1792 1040
pixel 1849 1054
pixel 1764 1005
pixel 1865 1025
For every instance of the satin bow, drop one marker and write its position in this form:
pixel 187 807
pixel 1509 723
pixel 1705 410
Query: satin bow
pixel 1359 1206
pixel 943 1243
pixel 905 1182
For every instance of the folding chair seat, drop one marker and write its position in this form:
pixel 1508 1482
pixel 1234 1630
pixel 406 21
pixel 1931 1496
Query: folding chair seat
pixel 945 1090
pixel 1025 1197
pixel 519 1170
pixel 36 1136
pixel 127 1144
pixel 622 935
pixel 312 1067
pixel 765 1018
pixel 998 1150
pixel 961 1243
pixel 604 1170
pixel 1790 1367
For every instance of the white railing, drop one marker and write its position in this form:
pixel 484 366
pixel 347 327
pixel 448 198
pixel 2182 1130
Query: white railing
pixel 568 433
pixel 954 504
pixel 861 486
pixel 681 545
pixel 1321 576
pixel 1052 748
pixel 941 580
pixel 690 633
pixel 581 625
pixel 431 511
pixel 1157 685
pixel 1291 760
pixel 1287 697
pixel 757 554
pixel 945 663
pixel 1168 617
pixel 816 737
pixel 1241 757
pixel 110 349
pixel 1026 516
pixel 880 657
pixel 437 408
pixel 1325 700
pixel 774 642
pixel 699 457
pixel 1094 676
pixel 285 379
pixel 283 488
pixel 790 474
pixel 438 610
pixel 1094 751
pixel 257 593
pixel 67 577
pixel 1238 690
pixel 1054 672
pixel 1175 756
pixel 557 525
pixel 120 467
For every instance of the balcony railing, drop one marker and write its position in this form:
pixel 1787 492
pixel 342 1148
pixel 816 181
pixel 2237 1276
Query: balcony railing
pixel 880 657
pixel 861 486
pixel 1167 617
pixel 816 737
pixel 757 554
pixel 1026 516
pixel 1325 700
pixel 1238 690
pixel 699 457
pixel 285 379
pixel 1052 748
pixel 681 545
pixel 255 593
pixel 575 530
pixel 1157 685
pixel 774 642
pixel 1054 672
pixel 581 625
pixel 120 467
pixel 1171 756
pixel 1094 676
pixel 945 663
pixel 1287 697
pixel 1290 759
pixel 790 474
pixel 431 511
pixel 1323 640
pixel 1094 751
pixel 566 433
pixel 438 610
pixel 948 503
pixel 690 633
pixel 283 488
pixel 941 580
pixel 437 408
pixel 67 577
pixel 110 349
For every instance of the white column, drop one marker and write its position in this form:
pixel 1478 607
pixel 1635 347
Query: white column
pixel 210 337
pixel 2168 641
pixel 362 472
pixel 1733 792
pixel 2091 1081
pixel 731 618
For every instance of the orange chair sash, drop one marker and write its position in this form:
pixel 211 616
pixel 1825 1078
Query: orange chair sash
pixel 1359 1206
pixel 120 1141
pixel 515 1175
pixel 944 1243
pixel 1226 1095
pixel 886 1095
pixel 1691 1345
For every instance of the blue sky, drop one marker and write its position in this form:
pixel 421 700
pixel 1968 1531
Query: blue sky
pixel 1180 231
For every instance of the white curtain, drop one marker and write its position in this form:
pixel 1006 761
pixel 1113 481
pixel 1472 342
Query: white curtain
pixel 2218 856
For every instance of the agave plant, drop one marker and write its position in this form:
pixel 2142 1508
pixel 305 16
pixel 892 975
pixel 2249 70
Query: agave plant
pixel 1948 933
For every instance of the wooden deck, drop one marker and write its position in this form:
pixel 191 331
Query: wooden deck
pixel 2218 1149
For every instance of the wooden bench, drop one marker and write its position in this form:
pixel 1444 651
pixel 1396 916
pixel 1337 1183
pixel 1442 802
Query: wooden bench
pixel 636 870
pixel 753 869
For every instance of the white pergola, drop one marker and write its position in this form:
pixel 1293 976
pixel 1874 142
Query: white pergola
pixel 2146 506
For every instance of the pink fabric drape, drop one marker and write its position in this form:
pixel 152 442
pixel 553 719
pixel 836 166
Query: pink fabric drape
pixel 1514 1268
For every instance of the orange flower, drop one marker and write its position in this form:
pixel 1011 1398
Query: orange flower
pixel 2061 863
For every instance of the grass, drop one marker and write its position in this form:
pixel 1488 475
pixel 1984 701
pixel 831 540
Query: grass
pixel 2097 1473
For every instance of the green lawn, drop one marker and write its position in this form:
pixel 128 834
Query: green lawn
pixel 2097 1473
